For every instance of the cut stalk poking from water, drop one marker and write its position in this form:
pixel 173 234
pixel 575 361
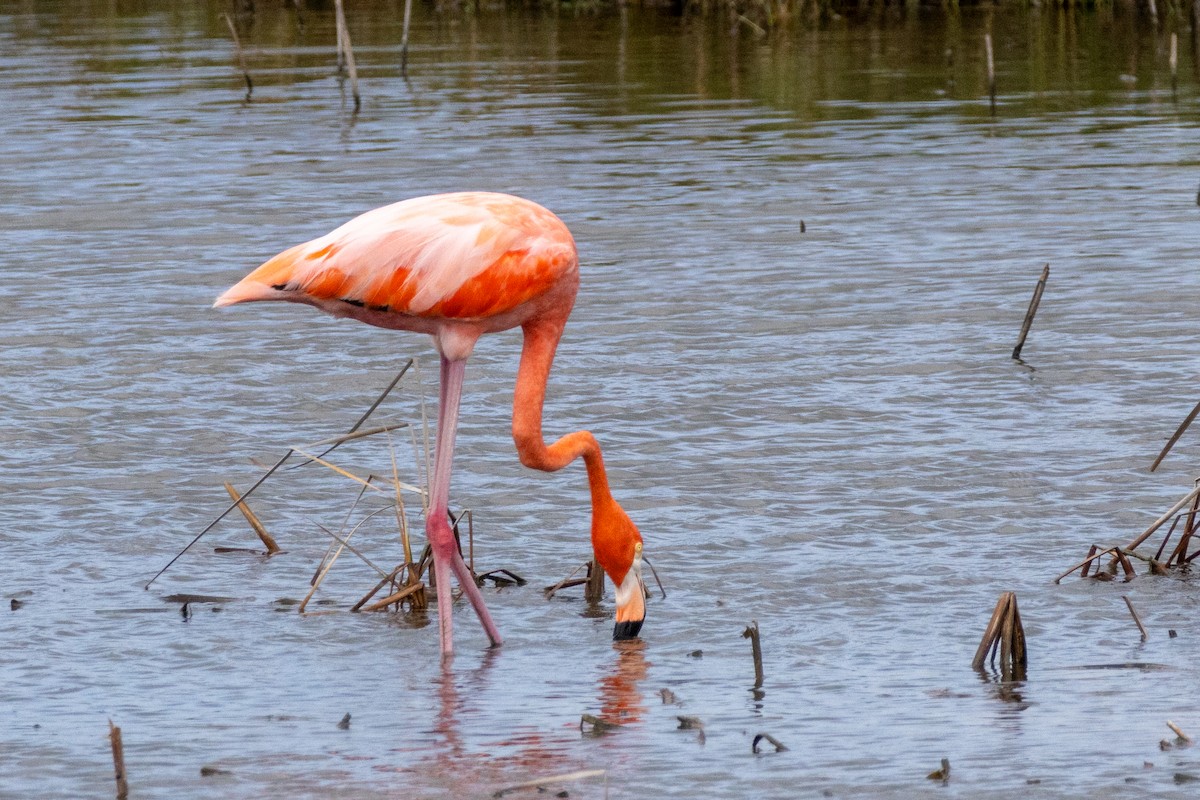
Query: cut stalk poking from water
pixel 241 57
pixel 267 539
pixel 1173 60
pixel 594 589
pixel 1136 619
pixel 751 633
pixel 1004 633
pixel 1033 307
pixel 118 755
pixel 404 40
pixel 346 52
pixel 991 73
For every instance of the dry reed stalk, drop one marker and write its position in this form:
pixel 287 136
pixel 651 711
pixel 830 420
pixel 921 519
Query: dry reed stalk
pixel 389 578
pixel 1173 60
pixel 396 597
pixel 241 57
pixel 342 544
pixel 349 435
pixel 1183 426
pixel 267 539
pixel 1172 511
pixel 1166 540
pixel 1033 306
pixel 346 51
pixel 404 39
pixel 1006 634
pixel 566 582
pixel 1179 554
pixel 1136 619
pixel 1123 560
pixel 751 633
pixel 1093 553
pixel 402 514
pixel 991 73
pixel 220 517
pixel 118 755
pixel 332 545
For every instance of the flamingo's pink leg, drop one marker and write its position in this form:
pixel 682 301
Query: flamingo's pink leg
pixel 446 557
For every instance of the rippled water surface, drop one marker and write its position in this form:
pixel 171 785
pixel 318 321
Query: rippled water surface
pixel 805 262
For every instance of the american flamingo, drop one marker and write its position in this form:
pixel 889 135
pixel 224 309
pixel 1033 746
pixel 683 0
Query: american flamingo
pixel 457 266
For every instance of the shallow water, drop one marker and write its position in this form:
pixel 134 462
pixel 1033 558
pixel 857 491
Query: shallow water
pixel 816 426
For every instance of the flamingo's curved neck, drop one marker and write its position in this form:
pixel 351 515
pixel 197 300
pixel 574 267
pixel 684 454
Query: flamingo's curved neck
pixel 541 340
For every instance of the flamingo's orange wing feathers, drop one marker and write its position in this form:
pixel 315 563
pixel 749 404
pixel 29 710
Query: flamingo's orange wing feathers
pixel 456 256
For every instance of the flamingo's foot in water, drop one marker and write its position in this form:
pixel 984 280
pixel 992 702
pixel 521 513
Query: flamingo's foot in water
pixel 447 559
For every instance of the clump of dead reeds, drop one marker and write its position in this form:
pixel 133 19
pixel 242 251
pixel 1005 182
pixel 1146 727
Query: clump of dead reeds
pixel 1004 635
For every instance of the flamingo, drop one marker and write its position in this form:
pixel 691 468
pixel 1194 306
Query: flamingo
pixel 457 266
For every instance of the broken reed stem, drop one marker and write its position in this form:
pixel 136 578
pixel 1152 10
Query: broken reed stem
pixel 346 51
pixel 1033 307
pixel 1136 619
pixel 1183 426
pixel 241 57
pixel 267 539
pixel 991 73
pixel 751 633
pixel 594 588
pixel 118 754
pixel 1178 731
pixel 550 591
pixel 220 517
pixel 404 40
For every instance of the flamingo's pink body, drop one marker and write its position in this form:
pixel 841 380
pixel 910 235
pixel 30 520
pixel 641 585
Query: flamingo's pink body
pixel 457 266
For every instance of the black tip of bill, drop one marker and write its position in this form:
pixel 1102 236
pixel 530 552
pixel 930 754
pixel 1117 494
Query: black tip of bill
pixel 627 630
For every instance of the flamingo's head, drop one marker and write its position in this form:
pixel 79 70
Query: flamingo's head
pixel 631 600
pixel 618 548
